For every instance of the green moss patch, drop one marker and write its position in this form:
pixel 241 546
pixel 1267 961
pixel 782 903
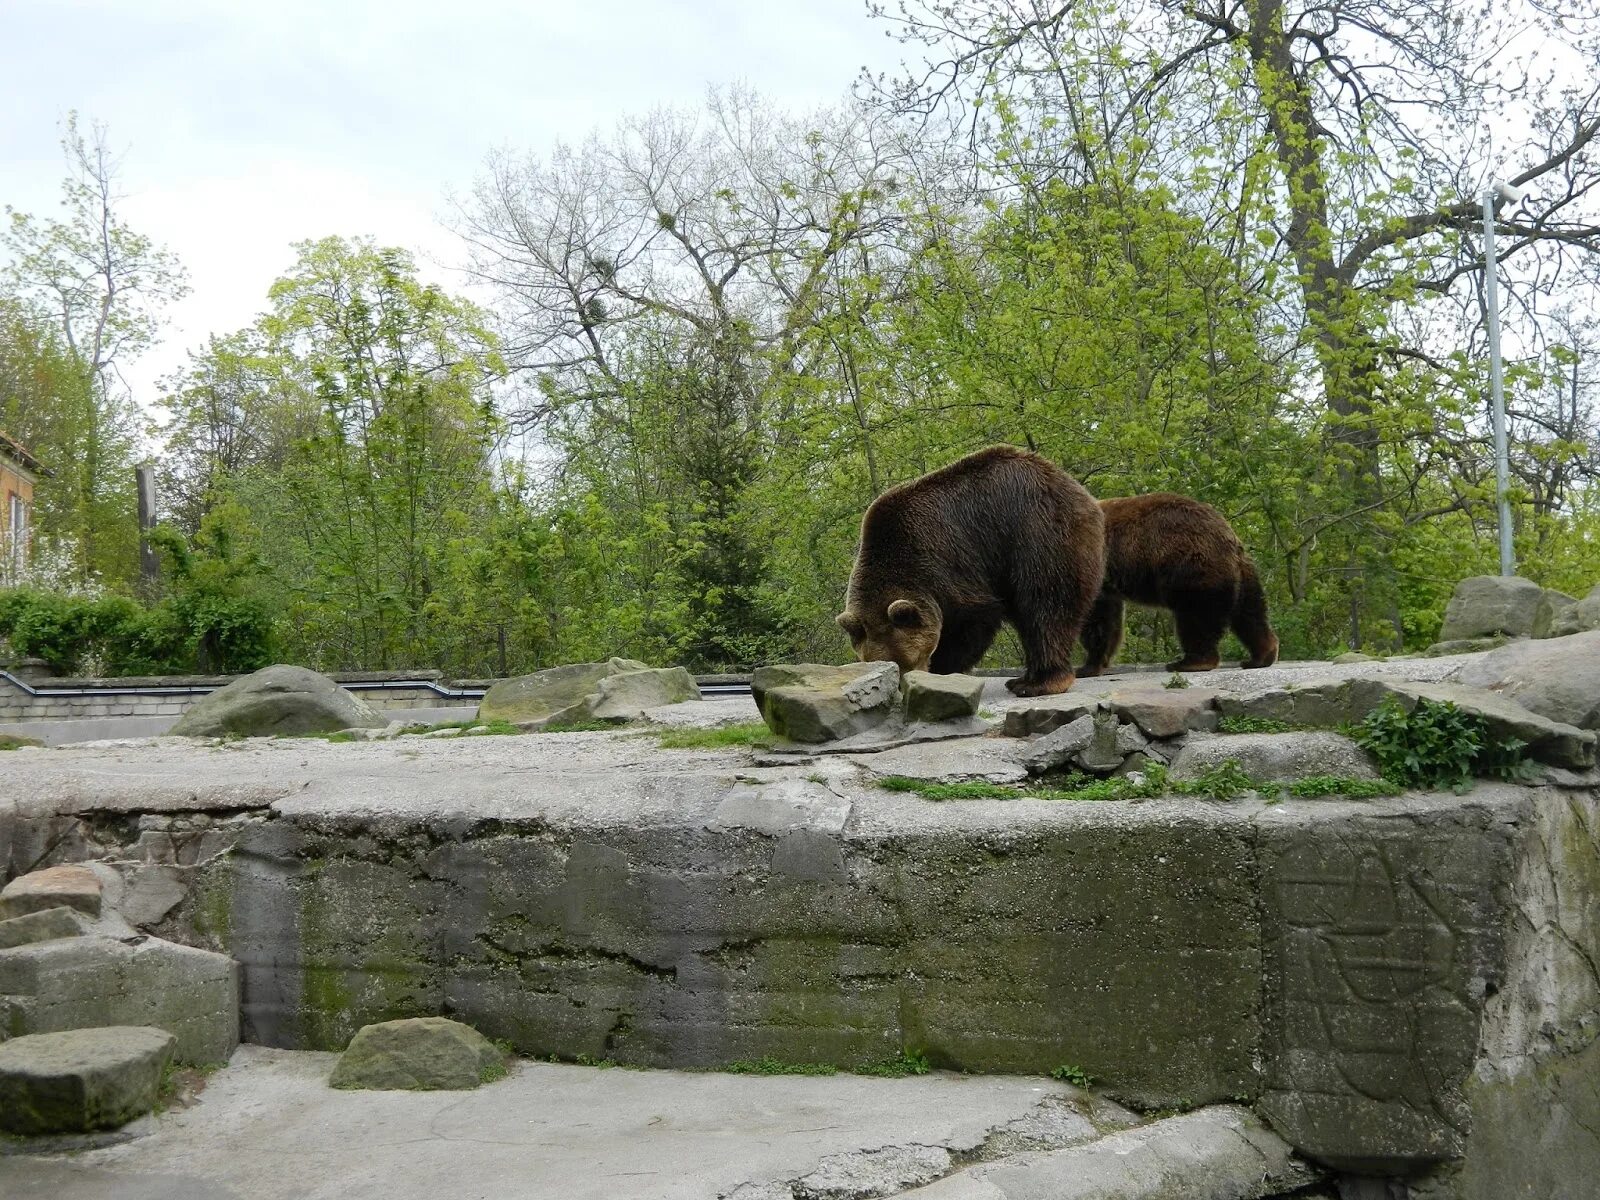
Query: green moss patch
pixel 749 733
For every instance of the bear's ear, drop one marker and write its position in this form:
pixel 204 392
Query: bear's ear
pixel 903 614
pixel 851 624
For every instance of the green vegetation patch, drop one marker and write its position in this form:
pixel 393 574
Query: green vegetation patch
pixel 749 733
pixel 10 741
pixel 907 1062
pixel 1242 724
pixel 1076 1076
pixel 1225 781
pixel 1438 745
pixel 767 1065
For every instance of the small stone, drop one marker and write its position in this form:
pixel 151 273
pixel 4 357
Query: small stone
pixel 417 1054
pixel 1058 746
pixel 82 1079
pixel 1101 756
pixel 930 697
pixel 70 886
pixel 1130 740
pixel 1163 713
pixel 1042 716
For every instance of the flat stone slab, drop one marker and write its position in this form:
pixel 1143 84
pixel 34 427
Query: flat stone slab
pixel 80 1080
pixel 1277 757
pixel 54 887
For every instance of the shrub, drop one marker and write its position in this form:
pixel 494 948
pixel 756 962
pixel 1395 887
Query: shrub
pixel 1437 745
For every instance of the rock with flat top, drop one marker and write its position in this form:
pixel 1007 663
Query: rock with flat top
pixel 1166 712
pixel 930 697
pixel 69 886
pixel 417 1054
pixel 813 703
pixel 42 926
pixel 81 1079
pixel 1483 605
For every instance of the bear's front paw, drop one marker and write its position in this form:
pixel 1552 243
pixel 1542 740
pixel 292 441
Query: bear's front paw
pixel 1043 685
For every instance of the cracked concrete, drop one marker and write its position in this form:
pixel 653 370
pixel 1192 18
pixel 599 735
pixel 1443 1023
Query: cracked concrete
pixel 269 1128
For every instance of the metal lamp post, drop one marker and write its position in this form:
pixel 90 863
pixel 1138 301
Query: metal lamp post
pixel 1502 471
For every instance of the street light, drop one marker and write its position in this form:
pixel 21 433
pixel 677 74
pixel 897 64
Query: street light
pixel 1510 195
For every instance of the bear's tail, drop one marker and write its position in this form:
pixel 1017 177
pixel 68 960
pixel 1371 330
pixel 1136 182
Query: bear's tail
pixel 1249 619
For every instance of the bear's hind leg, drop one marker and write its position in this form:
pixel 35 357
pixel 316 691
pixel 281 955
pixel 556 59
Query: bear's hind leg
pixel 1249 620
pixel 1202 618
pixel 1102 634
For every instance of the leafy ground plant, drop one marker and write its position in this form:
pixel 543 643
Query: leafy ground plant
pixel 767 1065
pixel 907 1062
pixel 1075 1075
pixel 1241 724
pixel 1437 745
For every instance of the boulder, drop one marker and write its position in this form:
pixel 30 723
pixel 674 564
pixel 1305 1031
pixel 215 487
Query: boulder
pixel 1556 678
pixel 278 700
pixel 1050 712
pixel 930 697
pixel 1553 610
pixel 82 1079
pixel 1166 712
pixel 42 926
pixel 813 703
pixel 1103 754
pixel 70 886
pixel 417 1054
pixel 626 696
pixel 1487 604
pixel 94 980
pixel 1581 617
pixel 1277 757
pixel 552 696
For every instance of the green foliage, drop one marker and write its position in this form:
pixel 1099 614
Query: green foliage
pixel 907 1062
pixel 1076 1076
pixel 1437 745
pixel 767 1065
pixel 1225 781
pixel 1243 724
pixel 751 733
pixel 11 741
pixel 1176 680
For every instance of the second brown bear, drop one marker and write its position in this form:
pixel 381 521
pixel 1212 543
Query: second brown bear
pixel 1169 551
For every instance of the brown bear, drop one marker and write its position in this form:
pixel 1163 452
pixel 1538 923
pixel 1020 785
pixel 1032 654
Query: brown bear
pixel 1000 535
pixel 1172 552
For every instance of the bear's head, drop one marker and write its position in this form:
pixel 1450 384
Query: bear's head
pixel 905 632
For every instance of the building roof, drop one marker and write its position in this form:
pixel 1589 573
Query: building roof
pixel 13 449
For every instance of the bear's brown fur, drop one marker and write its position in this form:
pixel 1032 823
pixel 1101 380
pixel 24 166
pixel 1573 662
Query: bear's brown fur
pixel 1172 552
pixel 1000 535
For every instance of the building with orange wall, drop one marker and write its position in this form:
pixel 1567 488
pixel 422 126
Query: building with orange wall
pixel 19 471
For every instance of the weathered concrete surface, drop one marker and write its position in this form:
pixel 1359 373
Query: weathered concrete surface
pixel 1221 1153
pixel 589 894
pixel 269 1128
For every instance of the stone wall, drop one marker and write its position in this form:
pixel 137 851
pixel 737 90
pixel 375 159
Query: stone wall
pixel 171 696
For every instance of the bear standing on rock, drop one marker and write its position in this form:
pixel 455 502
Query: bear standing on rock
pixel 1172 552
pixel 1000 535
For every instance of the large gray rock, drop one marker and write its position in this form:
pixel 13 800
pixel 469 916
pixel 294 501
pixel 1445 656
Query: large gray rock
pixel 1277 757
pixel 82 1079
pixel 417 1054
pixel 1555 608
pixel 279 700
pixel 930 697
pixel 1583 615
pixel 555 695
pixel 69 886
pixel 83 982
pixel 626 696
pixel 813 703
pixel 1487 604
pixel 1558 678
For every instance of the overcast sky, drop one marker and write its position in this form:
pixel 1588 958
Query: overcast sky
pixel 247 126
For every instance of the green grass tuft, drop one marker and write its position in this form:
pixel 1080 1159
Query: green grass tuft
pixel 1338 785
pixel 750 733
pixel 581 727
pixel 767 1065
pixel 1176 680
pixel 9 741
